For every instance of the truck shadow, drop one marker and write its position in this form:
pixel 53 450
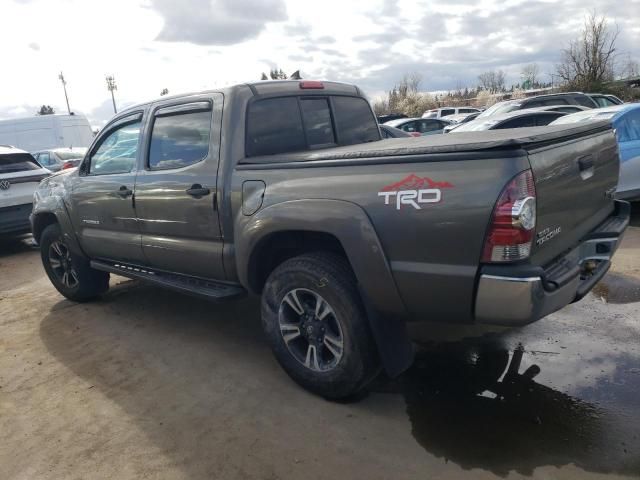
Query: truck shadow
pixel 185 370
pixel 14 244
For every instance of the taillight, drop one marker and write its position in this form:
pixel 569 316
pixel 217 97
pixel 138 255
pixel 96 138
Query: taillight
pixel 311 85
pixel 415 134
pixel 513 221
pixel 66 165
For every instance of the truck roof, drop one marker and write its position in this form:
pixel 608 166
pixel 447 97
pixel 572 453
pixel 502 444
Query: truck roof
pixel 265 87
pixel 463 142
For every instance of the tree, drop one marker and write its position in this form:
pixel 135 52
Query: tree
pixel 164 91
pixel 296 75
pixel 589 61
pixel 46 110
pixel 529 75
pixel 493 81
pixel 264 76
pixel 276 74
pixel 630 68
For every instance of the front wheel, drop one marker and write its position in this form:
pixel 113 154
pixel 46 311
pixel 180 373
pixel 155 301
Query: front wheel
pixel 313 317
pixel 70 274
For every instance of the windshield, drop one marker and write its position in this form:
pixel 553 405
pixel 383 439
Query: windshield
pixel 502 107
pixel 17 162
pixel 71 154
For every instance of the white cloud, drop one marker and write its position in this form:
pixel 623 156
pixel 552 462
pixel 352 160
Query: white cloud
pixel 196 44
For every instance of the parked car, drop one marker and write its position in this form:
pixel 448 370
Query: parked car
pixel 60 158
pixel 392 132
pixel 43 132
pixel 459 119
pixel 390 116
pixel 423 126
pixel 605 100
pixel 448 111
pixel 626 122
pixel 534 117
pixel 355 244
pixel 19 177
pixel 572 98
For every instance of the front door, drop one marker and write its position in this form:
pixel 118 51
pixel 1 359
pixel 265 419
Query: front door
pixel 102 208
pixel 175 192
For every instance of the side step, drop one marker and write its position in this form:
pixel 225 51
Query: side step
pixel 216 291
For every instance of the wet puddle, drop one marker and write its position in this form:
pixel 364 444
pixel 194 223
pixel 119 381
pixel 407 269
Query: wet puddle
pixel 487 407
pixel 618 288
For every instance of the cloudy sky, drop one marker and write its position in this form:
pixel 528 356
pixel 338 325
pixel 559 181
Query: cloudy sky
pixel 187 45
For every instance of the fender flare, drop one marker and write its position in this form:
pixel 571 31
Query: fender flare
pixel 55 206
pixel 352 227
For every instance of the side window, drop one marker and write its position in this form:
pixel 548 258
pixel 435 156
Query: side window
pixel 534 104
pixel 409 127
pixel 355 122
pixel 117 151
pixel 585 101
pixel 448 111
pixel 467 110
pixel 179 140
pixel 542 120
pixel 317 122
pixel 427 126
pixel 274 126
pixel 519 122
pixel 44 159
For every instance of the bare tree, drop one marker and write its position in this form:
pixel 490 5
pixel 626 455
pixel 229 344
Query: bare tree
pixel 46 110
pixel 589 61
pixel 530 75
pixel 630 68
pixel 493 80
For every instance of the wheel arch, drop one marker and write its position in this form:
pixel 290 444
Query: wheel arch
pixel 312 225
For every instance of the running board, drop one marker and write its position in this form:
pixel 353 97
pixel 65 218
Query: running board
pixel 216 291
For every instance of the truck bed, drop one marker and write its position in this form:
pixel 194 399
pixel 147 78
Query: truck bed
pixel 526 139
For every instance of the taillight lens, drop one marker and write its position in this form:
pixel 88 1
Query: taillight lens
pixel 415 134
pixel 66 165
pixel 513 222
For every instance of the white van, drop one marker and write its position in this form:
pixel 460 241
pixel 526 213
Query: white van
pixel 446 111
pixel 43 132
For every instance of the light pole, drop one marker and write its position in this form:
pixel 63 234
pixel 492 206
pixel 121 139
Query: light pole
pixel 111 86
pixel 64 86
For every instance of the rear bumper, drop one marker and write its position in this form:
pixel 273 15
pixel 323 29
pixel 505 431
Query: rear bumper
pixel 15 219
pixel 513 295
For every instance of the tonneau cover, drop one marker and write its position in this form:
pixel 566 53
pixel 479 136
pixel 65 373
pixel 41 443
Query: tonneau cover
pixel 515 138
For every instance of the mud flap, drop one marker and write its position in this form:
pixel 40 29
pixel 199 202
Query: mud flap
pixel 392 339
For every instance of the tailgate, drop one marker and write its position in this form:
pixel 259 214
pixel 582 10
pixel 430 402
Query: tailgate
pixel 575 180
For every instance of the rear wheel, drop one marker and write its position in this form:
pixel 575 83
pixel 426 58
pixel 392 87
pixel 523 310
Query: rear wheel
pixel 316 324
pixel 69 273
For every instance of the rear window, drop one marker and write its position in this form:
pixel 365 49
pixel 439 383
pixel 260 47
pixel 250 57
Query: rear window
pixel 355 122
pixel 585 101
pixel 448 111
pixel 290 124
pixel 317 122
pixel 17 162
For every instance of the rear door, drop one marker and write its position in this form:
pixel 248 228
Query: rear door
pixel 175 193
pixel 102 208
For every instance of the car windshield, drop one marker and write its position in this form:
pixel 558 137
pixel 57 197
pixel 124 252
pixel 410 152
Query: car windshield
pixel 71 154
pixel 476 125
pixel 502 107
pixel 395 123
pixel 589 116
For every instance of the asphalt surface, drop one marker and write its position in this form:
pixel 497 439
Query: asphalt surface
pixel 147 383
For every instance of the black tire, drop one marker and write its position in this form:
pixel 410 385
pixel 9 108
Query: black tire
pixel 329 278
pixel 82 282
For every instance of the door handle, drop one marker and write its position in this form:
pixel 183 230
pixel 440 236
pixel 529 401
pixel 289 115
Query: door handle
pixel 124 192
pixel 198 191
pixel 586 167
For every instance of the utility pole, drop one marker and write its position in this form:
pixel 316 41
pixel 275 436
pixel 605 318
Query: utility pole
pixel 64 86
pixel 111 86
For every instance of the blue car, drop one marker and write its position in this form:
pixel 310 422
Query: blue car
pixel 626 122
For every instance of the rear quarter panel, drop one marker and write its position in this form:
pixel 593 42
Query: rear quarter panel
pixel 433 251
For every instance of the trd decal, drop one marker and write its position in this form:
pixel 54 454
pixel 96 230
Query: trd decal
pixel 413 191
